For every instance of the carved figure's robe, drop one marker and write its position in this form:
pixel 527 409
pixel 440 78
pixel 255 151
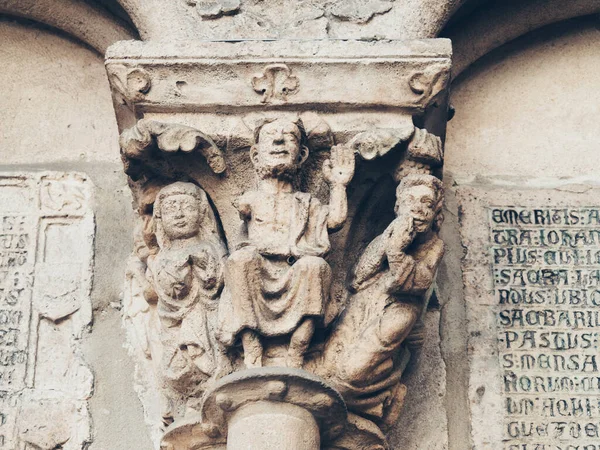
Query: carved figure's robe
pixel 187 308
pixel 378 318
pixel 273 284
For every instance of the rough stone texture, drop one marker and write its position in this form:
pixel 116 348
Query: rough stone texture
pixel 318 19
pixel 531 286
pixel 293 250
pixel 511 83
pixel 41 65
pixel 520 88
pixel 498 22
pixel 501 136
pixel 47 231
pixel 87 21
pixel 423 423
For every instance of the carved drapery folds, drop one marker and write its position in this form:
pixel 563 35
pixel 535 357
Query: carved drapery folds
pixel 287 238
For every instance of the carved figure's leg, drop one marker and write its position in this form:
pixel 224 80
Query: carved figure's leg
pixel 379 340
pixel 396 322
pixel 253 349
pixel 299 343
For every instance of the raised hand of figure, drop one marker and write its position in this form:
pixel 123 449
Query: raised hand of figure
pixel 339 168
pixel 400 234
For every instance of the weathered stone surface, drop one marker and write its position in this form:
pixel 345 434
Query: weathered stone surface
pixel 423 422
pixel 290 19
pixel 513 87
pixel 50 82
pixel 531 285
pixel 47 232
pixel 306 216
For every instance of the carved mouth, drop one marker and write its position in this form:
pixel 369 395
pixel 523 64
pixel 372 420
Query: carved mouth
pixel 279 152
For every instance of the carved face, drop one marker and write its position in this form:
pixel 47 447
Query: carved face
pixel 180 216
pixel 278 149
pixel 419 202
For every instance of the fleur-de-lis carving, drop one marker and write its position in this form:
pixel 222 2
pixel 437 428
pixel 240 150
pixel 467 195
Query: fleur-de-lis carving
pixel 275 83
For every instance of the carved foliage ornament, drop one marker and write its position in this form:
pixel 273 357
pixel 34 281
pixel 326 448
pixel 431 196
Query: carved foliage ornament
pixel 239 329
pixel 275 83
pixel 356 11
pixel 213 9
pixel 132 84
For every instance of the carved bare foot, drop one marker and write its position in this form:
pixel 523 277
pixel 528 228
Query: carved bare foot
pixel 253 350
pixel 299 343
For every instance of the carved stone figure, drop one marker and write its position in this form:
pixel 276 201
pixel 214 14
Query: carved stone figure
pixel 277 281
pixel 389 283
pixel 187 275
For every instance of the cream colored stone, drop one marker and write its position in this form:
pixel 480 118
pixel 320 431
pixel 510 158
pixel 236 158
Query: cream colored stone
pixel 277 283
pixel 290 19
pixel 94 25
pixel 47 230
pixel 531 276
pixel 282 426
pixel 502 106
pixel 309 319
pixel 520 140
pixel 56 100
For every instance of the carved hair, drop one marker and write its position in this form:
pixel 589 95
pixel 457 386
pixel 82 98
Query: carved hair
pixel 302 139
pixel 435 184
pixel 209 230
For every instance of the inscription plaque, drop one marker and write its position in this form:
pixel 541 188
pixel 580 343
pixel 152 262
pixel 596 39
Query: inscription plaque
pixel 539 306
pixel 46 237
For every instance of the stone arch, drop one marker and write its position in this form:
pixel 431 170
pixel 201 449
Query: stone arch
pixel 477 30
pixel 94 23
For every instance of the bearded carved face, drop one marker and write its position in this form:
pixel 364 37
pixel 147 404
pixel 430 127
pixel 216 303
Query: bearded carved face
pixel 278 150
pixel 181 216
pixel 420 203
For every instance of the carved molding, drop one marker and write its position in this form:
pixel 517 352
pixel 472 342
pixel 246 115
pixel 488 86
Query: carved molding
pixel 394 74
pixel 132 83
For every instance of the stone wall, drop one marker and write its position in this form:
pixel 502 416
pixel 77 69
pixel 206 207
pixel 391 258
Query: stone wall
pixel 526 119
pixel 57 115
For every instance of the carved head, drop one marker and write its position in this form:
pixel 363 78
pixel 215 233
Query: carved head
pixel 278 151
pixel 182 211
pixel 421 196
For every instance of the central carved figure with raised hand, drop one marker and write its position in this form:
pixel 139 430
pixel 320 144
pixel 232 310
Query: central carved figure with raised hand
pixel 277 281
